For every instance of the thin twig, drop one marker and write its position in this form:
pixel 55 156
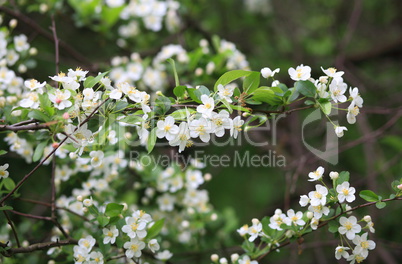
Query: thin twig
pixel 56 44
pixel 32 216
pixel 38 246
pixel 11 224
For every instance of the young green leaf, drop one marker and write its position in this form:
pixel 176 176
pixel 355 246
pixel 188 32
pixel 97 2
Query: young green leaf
pixel 2 152
pixel 155 229
pixel 306 88
pixel 230 76
pixel 267 95
pixel 179 91
pixel 369 196
pixel 113 209
pixel 9 183
pixel 38 115
pixel 151 140
pixel 326 107
pixel 343 176
pixel 251 82
pixel 6 207
pixel 91 81
pixel 380 205
pixel 103 220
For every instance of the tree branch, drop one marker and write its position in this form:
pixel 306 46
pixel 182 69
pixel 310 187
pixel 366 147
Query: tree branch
pixel 38 246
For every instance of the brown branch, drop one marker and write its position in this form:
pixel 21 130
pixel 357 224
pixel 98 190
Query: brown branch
pixel 38 246
pixel 32 216
pixel 26 127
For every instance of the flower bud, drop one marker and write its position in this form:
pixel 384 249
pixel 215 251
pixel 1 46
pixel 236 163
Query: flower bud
pixel 79 198
pixel 399 187
pixel 207 176
pixel 73 155
pixel 55 145
pixel 214 257
pixel 214 217
pixel 43 8
pixel 66 116
pixel 185 224
pixel 367 218
pixel 199 71
pixel 33 51
pixel 13 23
pixel 278 211
pixel 310 215
pixel 22 68
pixel 87 202
pixel 255 221
pixel 234 257
pixel 333 175
pixel 223 261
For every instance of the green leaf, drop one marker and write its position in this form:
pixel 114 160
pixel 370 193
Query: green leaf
pixel 176 77
pixel 162 105
pixel 155 229
pixel 151 140
pixel 9 183
pixel 227 105
pixel 293 95
pixel 2 152
pixel 267 95
pixel 369 196
pixel 326 107
pixel 392 196
pixel 103 220
pixel 6 207
pixel 230 76
pixel 179 91
pixel 113 209
pixel 306 88
pixel 131 119
pixel 111 15
pixel 93 210
pixel 120 106
pixel 46 104
pixel 251 82
pixel 343 176
pixel 380 205
pixel 38 115
pixel 181 114
pixel 39 151
pixel 91 81
pixel 333 226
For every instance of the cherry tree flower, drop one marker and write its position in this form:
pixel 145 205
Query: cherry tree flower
pixel 34 85
pixel 225 92
pixel 319 210
pixel 319 196
pixel 294 218
pixel 339 130
pixel 201 128
pixel 345 192
pixel 363 245
pixel 301 73
pixel 96 257
pixel 255 230
pixel 31 100
pixel 164 255
pixel 207 107
pixel 317 174
pixel 236 126
pixel 194 179
pixel 353 111
pixel 182 138
pixel 349 226
pixel 87 243
pixel 332 72
pixel 110 235
pixel 134 228
pixel 341 252
pixel 356 98
pixel 220 122
pixel 267 72
pixel 167 128
pixel 246 260
pixel 166 202
pixel 153 245
pixel 243 230
pixel 3 171
pixel 337 89
pixel 133 248
pixel 60 99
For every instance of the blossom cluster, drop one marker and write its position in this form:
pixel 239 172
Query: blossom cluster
pixel 330 91
pixel 319 203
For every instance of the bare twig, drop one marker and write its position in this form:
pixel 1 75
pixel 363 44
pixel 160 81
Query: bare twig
pixel 32 216
pixel 11 224
pixel 38 246
pixel 56 44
